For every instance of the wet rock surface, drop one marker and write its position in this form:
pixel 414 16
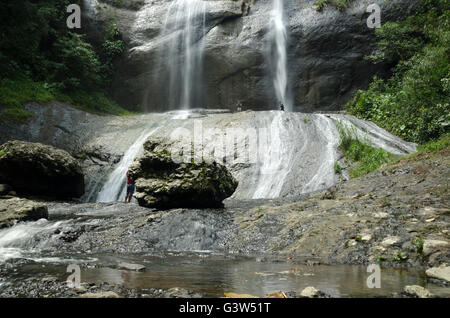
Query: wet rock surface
pixel 311 292
pixel 417 291
pixel 37 169
pixel 383 217
pixel 163 183
pixel 55 287
pixel 370 219
pixel 325 52
pixel 14 210
pixel 441 273
pixel 307 142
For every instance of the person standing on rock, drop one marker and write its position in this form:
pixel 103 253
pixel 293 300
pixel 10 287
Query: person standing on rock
pixel 130 189
pixel 238 106
pixel 282 107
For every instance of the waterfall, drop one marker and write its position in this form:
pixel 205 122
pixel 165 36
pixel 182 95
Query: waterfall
pixel 279 40
pixel 274 167
pixel 114 189
pixel 182 54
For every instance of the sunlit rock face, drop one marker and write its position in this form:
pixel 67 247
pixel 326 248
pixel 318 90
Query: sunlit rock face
pixel 227 47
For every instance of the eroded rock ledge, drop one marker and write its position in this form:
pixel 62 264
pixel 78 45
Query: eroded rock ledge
pixel 37 169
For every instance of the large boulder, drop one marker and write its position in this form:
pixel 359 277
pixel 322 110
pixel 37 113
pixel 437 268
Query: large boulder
pixel 164 183
pixel 37 169
pixel 13 210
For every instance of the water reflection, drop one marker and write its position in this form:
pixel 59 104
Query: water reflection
pixel 214 276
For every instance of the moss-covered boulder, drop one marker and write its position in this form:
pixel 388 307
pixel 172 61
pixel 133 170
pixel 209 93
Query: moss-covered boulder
pixel 163 183
pixel 37 169
pixel 17 209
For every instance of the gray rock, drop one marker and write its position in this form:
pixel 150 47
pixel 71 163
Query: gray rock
pixel 417 291
pixel 132 267
pixel 177 292
pixel 107 294
pixel 442 273
pixel 5 189
pixel 37 169
pixel 389 241
pixel 430 246
pixel 325 52
pixel 163 183
pixel 311 292
pixel 16 209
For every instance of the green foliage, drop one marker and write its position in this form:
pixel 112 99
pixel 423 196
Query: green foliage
pixel 337 168
pixel 366 157
pixel 418 243
pixel 94 102
pixel 434 146
pixel 14 93
pixel 112 48
pixel 41 59
pixel 77 65
pixel 380 259
pixel 341 5
pixel 414 102
pixel 397 41
pixel 400 257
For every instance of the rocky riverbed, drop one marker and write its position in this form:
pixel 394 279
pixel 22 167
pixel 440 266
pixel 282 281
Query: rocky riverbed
pixel 397 217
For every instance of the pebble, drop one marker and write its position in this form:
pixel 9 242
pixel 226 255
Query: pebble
pixel 417 291
pixel 132 267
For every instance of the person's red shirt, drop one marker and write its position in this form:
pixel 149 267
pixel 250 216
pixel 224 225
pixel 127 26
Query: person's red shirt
pixel 129 181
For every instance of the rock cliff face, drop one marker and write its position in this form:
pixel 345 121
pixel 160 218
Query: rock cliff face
pixel 163 183
pixel 37 169
pixel 325 52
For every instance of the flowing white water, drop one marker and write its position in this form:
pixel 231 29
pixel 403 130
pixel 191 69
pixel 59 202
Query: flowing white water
pixel 296 152
pixel 114 189
pixel 274 167
pixel 324 176
pixel 279 38
pixel 20 239
pixel 182 55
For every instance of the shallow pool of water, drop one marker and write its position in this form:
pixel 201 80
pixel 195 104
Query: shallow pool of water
pixel 215 275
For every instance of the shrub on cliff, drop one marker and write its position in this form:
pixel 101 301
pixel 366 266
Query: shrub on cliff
pixel 414 102
pixel 39 53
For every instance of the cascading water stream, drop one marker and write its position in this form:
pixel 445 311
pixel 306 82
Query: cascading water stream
pixel 279 39
pixel 182 56
pixel 114 188
pixel 274 166
pixel 19 240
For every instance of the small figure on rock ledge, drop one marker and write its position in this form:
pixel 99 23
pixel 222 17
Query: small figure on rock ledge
pixel 130 189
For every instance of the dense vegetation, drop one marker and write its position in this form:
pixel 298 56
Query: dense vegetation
pixel 339 4
pixel 41 59
pixel 363 157
pixel 414 102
